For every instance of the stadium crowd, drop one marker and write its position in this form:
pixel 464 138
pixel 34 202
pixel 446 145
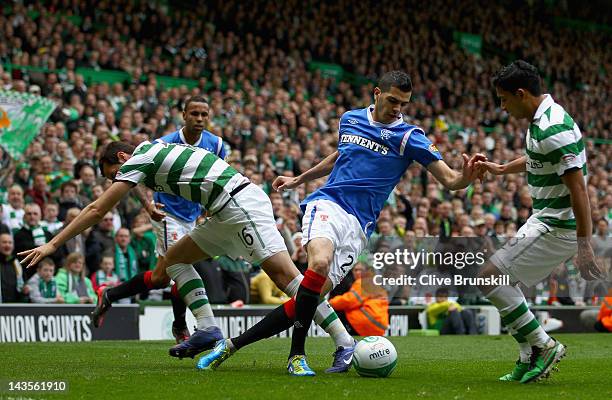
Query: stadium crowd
pixel 279 116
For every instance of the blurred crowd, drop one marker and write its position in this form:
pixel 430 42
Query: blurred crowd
pixel 279 116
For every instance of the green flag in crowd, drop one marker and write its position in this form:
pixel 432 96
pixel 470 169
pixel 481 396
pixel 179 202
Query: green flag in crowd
pixel 21 117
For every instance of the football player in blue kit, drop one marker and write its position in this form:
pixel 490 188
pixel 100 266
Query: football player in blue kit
pixel 375 147
pixel 182 214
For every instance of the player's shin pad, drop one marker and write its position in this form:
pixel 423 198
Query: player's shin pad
pixel 191 289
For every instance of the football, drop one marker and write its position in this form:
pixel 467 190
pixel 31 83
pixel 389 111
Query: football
pixel 375 357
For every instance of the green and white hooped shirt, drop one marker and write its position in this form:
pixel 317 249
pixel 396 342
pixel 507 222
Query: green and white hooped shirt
pixel 190 172
pixel 554 146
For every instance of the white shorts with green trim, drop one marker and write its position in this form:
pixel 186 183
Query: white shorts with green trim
pixel 326 219
pixel 244 227
pixel 169 231
pixel 535 251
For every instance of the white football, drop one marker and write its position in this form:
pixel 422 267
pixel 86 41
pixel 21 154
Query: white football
pixel 375 357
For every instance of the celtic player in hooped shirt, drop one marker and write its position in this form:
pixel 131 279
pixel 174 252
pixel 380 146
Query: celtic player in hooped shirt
pixel 560 226
pixel 241 224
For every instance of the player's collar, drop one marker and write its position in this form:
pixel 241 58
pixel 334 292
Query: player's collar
pixel 370 108
pixel 196 144
pixel 140 145
pixel 544 105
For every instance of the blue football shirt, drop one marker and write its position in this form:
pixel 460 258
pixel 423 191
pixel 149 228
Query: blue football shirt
pixel 372 159
pixel 177 206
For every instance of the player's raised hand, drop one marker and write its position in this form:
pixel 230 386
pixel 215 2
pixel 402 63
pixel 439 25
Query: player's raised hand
pixel 155 212
pixel 470 171
pixel 285 183
pixel 490 167
pixel 33 256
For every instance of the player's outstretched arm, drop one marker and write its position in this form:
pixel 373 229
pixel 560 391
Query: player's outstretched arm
pixel 89 216
pixel 513 167
pixel 585 260
pixel 323 168
pixel 454 180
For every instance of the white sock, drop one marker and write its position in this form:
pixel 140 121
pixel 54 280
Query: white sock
pixel 191 289
pixel 524 347
pixel 515 314
pixel 326 318
pixel 293 286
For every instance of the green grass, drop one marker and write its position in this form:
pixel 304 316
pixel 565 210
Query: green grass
pixel 429 368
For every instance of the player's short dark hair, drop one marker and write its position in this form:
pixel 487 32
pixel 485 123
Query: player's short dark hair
pixel 194 99
pixel 109 153
pixel 518 75
pixel 442 292
pixel 398 79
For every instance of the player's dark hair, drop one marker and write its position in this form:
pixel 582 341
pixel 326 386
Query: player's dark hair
pixel 398 79
pixel 518 75
pixel 442 292
pixel 109 153
pixel 194 99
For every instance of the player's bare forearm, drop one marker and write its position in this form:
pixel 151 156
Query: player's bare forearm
pixel 457 182
pixel 153 209
pixel 88 217
pixel 454 180
pixel 323 168
pixel 579 198
pixel 141 196
pixel 585 259
pixel 515 166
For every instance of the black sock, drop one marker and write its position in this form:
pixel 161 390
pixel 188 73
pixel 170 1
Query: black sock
pixel 273 323
pixel 178 309
pixel 128 289
pixel 306 302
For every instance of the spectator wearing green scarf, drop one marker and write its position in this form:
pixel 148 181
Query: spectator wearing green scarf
pixel 143 243
pixel 126 261
pixel 43 286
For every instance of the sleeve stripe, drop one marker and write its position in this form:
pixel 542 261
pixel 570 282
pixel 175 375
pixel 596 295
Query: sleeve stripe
pixel 219 146
pixel 405 141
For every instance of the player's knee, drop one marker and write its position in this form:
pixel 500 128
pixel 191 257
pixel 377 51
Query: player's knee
pixel 159 278
pixel 488 270
pixel 320 265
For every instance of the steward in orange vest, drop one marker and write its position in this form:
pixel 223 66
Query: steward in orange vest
pixel 365 305
pixel 604 319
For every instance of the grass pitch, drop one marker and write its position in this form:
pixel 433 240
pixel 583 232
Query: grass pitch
pixel 447 367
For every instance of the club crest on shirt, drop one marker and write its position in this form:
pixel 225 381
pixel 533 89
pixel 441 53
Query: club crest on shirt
pixel 433 148
pixel 386 134
pixel 567 159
